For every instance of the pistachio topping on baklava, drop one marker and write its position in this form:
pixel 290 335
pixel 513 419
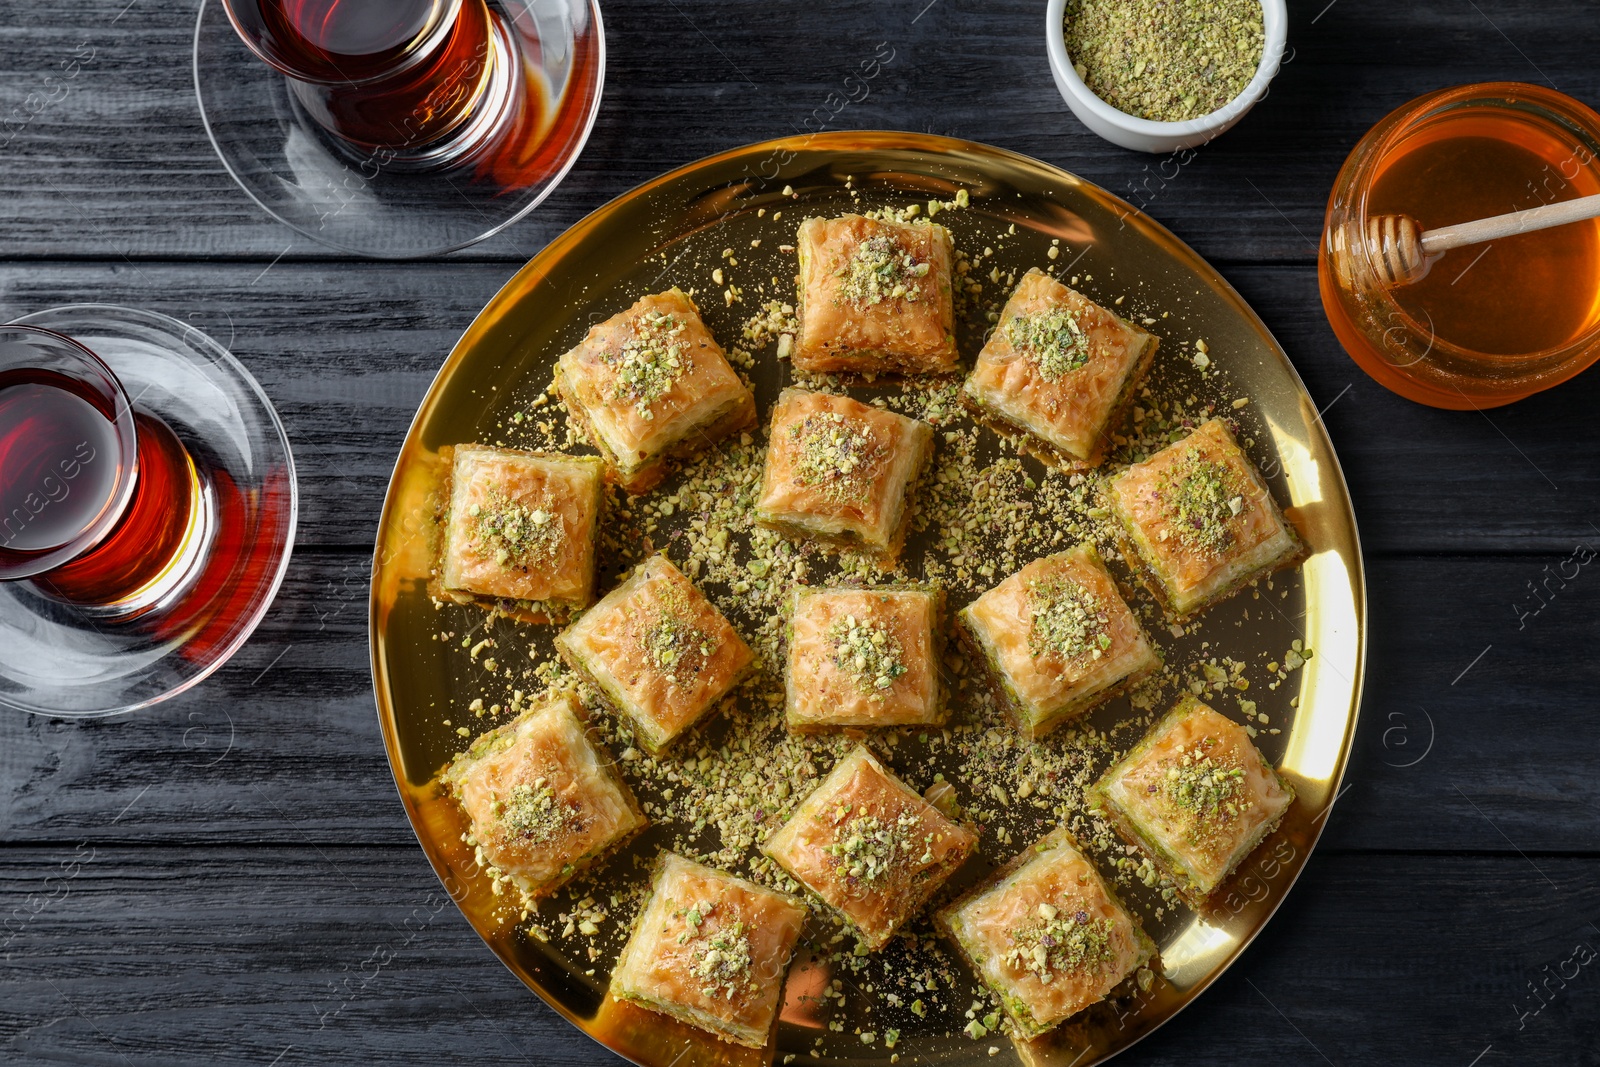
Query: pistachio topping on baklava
pixel 514 533
pixel 837 457
pixel 649 363
pixel 881 269
pixel 1053 942
pixel 1068 621
pixel 868 848
pixel 1052 339
pixel 724 962
pixel 672 642
pixel 1201 497
pixel 1211 791
pixel 535 814
pixel 868 653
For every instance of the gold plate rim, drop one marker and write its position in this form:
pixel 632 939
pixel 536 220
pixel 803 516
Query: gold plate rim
pixel 1336 533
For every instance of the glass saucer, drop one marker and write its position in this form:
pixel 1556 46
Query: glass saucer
pixel 61 660
pixel 382 207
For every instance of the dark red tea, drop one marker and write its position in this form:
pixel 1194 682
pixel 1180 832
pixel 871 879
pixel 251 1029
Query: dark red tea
pixel 65 496
pixel 340 40
pixel 394 74
pixel 421 84
pixel 147 508
pixel 148 541
pixel 59 456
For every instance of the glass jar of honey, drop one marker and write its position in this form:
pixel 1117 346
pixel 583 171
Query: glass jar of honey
pixel 1490 323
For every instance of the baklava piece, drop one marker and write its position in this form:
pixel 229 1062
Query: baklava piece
pixel 1195 795
pixel 874 297
pixel 658 651
pixel 1060 370
pixel 520 531
pixel 1057 639
pixel 651 384
pixel 1047 935
pixel 864 657
pixel 541 801
pixel 869 848
pixel 841 471
pixel 1198 523
pixel 710 949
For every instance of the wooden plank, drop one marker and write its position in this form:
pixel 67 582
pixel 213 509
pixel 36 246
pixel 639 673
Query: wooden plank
pixel 116 163
pixel 347 353
pixel 183 956
pixel 1458 749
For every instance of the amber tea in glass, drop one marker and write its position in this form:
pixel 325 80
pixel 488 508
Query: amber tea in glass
pixel 102 506
pixel 398 128
pixel 409 83
pixel 395 74
pixel 147 508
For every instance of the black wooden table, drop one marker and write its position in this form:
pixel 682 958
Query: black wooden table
pixel 229 878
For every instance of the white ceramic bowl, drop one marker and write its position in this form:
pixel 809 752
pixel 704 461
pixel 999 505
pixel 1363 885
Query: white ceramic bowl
pixel 1147 135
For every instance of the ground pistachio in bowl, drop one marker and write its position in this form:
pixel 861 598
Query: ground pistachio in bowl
pixel 1165 60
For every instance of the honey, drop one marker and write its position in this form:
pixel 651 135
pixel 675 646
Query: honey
pixel 1489 323
pixel 1520 294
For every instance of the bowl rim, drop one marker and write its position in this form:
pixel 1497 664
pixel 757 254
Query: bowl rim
pixel 1275 17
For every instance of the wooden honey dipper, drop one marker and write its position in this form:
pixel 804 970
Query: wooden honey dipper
pixel 1401 253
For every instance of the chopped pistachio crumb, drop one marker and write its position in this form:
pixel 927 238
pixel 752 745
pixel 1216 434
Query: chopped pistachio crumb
pixel 722 965
pixel 867 652
pixel 881 269
pixel 534 813
pixel 1169 62
pixel 867 848
pixel 1210 792
pixel 1200 498
pixel 518 535
pixel 1068 621
pixel 835 456
pixel 1053 340
pixel 676 647
pixel 649 362
pixel 1057 941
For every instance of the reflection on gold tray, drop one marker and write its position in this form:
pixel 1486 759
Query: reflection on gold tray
pixel 672 231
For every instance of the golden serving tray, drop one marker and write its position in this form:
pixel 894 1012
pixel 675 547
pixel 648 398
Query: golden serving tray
pixel 672 231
